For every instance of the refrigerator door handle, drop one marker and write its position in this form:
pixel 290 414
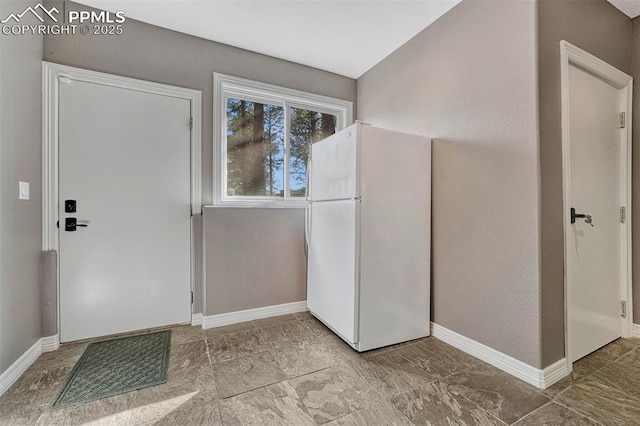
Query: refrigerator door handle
pixel 307 207
pixel 307 194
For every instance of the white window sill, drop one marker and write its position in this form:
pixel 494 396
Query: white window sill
pixel 290 204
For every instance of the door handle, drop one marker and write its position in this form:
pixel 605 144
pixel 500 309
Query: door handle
pixel 71 223
pixel 586 217
pixel 306 228
pixel 307 207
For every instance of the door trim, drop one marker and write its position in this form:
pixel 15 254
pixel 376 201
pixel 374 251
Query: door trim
pixel 51 75
pixel 572 55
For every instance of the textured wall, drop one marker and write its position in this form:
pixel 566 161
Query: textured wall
pixel 635 158
pixel 469 81
pixel 20 160
pixel 253 258
pixel 49 293
pixel 197 266
pixel 602 30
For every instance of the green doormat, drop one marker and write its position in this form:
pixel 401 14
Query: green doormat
pixel 116 366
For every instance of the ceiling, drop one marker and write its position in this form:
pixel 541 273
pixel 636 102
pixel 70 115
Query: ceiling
pixel 346 37
pixel 630 7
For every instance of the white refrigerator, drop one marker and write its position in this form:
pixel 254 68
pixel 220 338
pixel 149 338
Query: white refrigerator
pixel 368 231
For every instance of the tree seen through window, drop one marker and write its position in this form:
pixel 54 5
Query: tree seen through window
pixel 306 127
pixel 256 147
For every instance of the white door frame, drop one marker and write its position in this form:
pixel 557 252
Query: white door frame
pixel 572 55
pixel 51 76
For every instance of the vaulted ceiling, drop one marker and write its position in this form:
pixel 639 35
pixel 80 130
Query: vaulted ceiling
pixel 346 37
pixel 629 7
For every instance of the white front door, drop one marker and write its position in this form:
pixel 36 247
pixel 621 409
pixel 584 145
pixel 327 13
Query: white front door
pixel 594 250
pixel 124 158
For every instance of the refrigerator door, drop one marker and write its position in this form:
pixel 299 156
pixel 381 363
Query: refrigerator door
pixel 332 268
pixel 395 243
pixel 333 166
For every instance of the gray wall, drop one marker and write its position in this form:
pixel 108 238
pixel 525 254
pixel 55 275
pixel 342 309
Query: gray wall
pixel 635 158
pixel 20 160
pixel 156 54
pixel 253 258
pixel 469 81
pixel 601 29
pixel 197 257
pixel 49 293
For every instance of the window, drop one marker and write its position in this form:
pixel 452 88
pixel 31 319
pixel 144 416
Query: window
pixel 262 138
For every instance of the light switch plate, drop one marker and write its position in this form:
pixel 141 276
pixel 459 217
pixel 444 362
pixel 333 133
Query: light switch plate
pixel 23 190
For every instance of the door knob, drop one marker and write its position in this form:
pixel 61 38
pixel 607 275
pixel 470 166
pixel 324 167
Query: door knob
pixel 586 217
pixel 71 224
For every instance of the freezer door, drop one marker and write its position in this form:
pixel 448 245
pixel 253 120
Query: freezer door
pixel 333 166
pixel 332 268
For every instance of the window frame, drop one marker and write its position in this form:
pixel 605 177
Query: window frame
pixel 226 86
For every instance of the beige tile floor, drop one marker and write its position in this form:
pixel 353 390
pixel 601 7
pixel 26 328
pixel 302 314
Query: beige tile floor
pixel 291 370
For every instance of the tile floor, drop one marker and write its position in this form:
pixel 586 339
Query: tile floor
pixel 291 370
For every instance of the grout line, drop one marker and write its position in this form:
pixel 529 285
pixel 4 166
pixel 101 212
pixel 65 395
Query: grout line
pixel 635 398
pixel 577 412
pixel 627 355
pixel 448 375
pixel 337 418
pixel 459 372
pixel 452 390
pixel 206 348
pixel 533 411
pixel 267 349
pixel 573 383
pixel 603 385
pixel 247 391
pixel 402 415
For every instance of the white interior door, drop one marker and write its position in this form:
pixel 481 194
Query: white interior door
pixel 124 157
pixel 331 267
pixel 594 257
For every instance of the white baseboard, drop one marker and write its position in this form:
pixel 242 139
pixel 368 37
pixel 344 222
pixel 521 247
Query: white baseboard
pixel 635 331
pixel 13 373
pixel 253 314
pixel 50 343
pixel 539 378
pixel 554 373
pixel 196 319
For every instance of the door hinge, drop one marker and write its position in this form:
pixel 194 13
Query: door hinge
pixel 190 123
pixel 192 298
pixel 623 214
pixel 623 120
pixel 623 308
